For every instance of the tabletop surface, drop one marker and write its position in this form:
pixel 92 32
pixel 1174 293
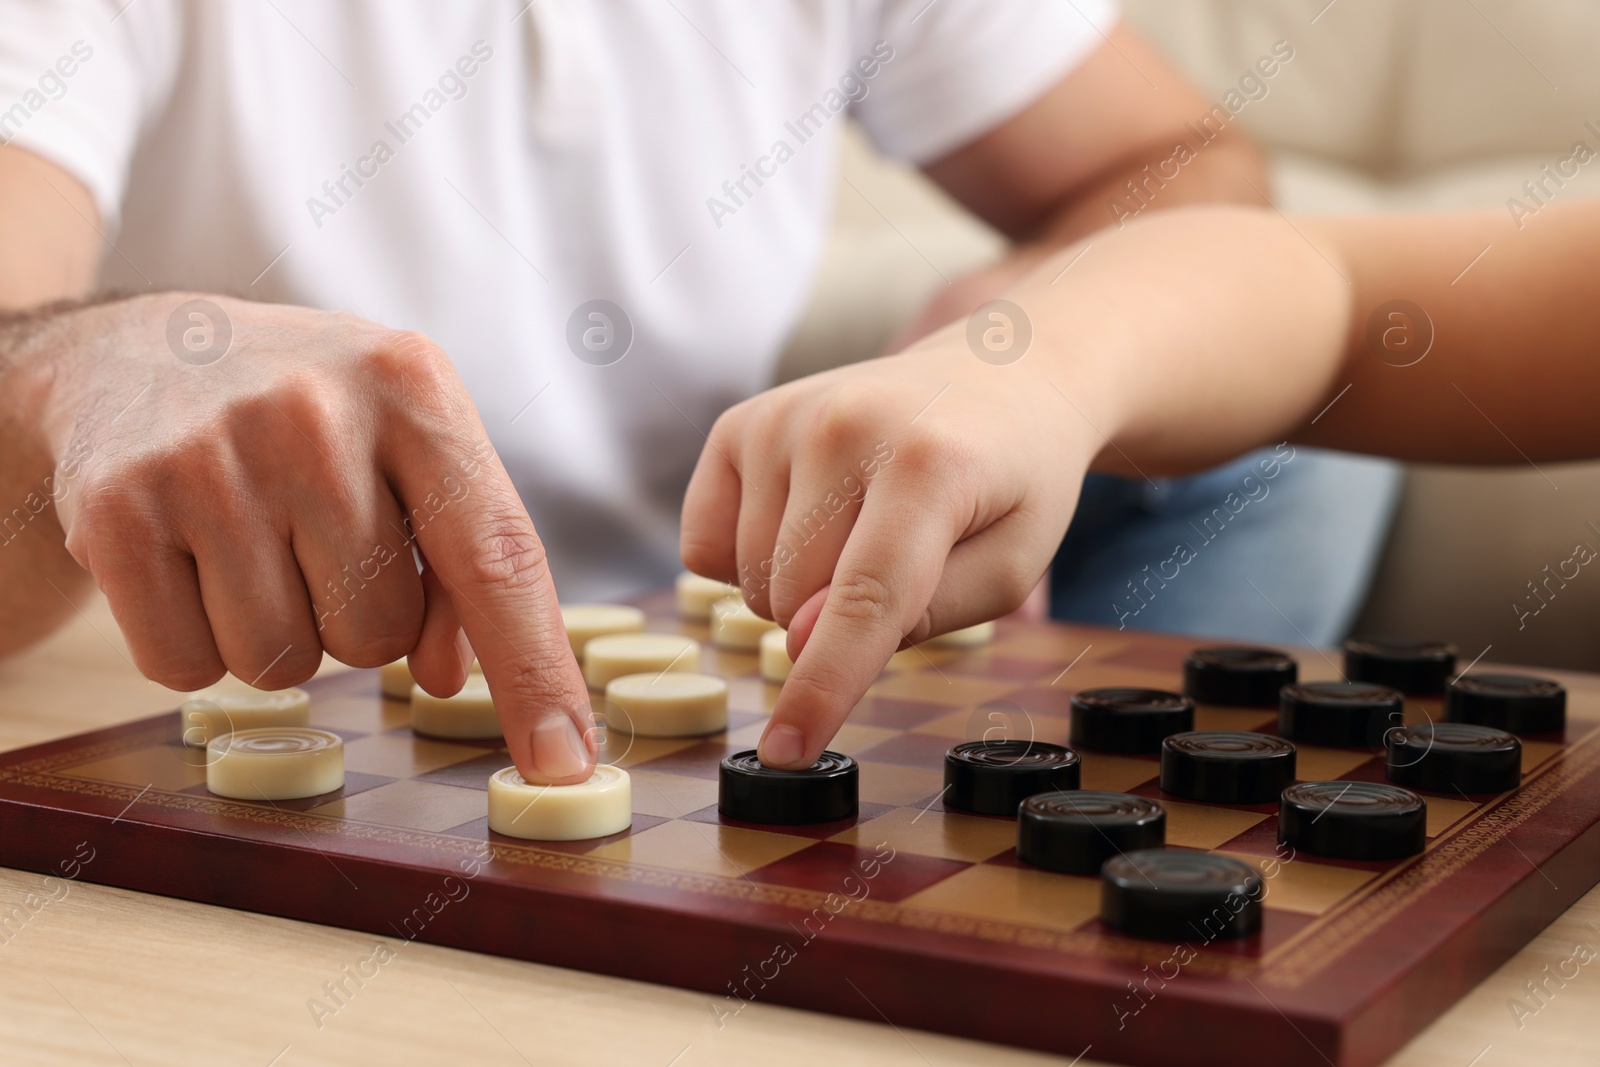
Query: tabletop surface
pixel 100 975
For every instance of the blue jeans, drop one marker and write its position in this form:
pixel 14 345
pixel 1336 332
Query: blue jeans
pixel 1275 547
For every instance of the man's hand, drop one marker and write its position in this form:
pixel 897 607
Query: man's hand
pixel 248 502
pixel 877 505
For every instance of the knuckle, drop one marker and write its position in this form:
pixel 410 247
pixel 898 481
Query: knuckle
pixel 300 395
pixel 113 527
pixel 412 363
pixel 735 434
pixel 787 591
pixel 299 412
pixel 932 453
pixel 1013 583
pixel 924 629
pixel 184 673
pixel 860 596
pixel 293 667
pixel 703 555
pixel 840 421
pixel 726 426
pixel 537 678
pixel 375 647
pixel 830 690
pixel 507 552
pixel 539 675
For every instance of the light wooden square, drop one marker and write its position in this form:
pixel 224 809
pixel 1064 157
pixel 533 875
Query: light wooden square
pixel 954 725
pixel 359 713
pixel 1092 676
pixel 1315 764
pixel 952 689
pixel 1013 895
pixel 405 756
pixel 728 662
pixel 753 695
pixel 1207 717
pixel 624 750
pixel 702 848
pixel 1118 774
pixel 890 783
pixel 1002 721
pixel 1319 667
pixel 1302 884
pixel 748 735
pixel 1535 753
pixel 918 659
pixel 412 804
pixel 934 833
pixel 1443 813
pixel 671 796
pixel 1422 710
pixel 1203 826
pixel 159 767
pixel 1054 644
pixel 854 737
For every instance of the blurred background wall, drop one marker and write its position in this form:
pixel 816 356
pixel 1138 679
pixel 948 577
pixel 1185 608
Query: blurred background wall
pixel 1388 105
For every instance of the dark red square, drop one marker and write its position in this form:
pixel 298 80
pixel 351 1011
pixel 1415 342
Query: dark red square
pixel 1005 668
pixel 468 774
pixel 1147 657
pixel 1262 840
pixel 698 760
pixel 819 830
pixel 1044 700
pixel 896 714
pixel 913 750
pixel 826 865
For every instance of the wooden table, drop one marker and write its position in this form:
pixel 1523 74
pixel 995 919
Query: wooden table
pixel 101 975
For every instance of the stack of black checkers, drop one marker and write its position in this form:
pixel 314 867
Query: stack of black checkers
pixel 750 792
pixel 1237 676
pixel 1516 703
pixel 1353 820
pixel 1339 714
pixel 1226 766
pixel 1128 720
pixel 1415 668
pixel 995 777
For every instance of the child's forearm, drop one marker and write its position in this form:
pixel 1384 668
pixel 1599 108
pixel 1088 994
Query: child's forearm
pixel 1505 329
pixel 1182 339
pixel 1192 336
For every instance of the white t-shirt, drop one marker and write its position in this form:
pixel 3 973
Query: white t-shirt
pixel 477 171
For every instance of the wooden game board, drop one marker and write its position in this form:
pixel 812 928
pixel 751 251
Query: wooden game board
pixel 909 913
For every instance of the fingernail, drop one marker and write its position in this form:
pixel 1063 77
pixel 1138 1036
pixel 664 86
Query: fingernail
pixel 782 745
pixel 558 748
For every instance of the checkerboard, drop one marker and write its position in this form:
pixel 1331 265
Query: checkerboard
pixel 911 911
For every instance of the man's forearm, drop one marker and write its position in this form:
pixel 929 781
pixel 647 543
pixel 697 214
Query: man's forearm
pixel 40 582
pixel 1228 170
pixel 50 253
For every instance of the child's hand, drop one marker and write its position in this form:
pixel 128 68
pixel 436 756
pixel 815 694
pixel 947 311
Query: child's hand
pixel 877 505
